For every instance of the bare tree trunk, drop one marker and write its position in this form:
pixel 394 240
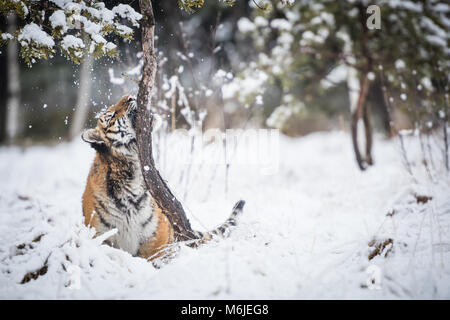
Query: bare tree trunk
pixel 3 86
pixel 357 93
pixel 376 100
pixel 84 95
pixel 362 111
pixel 12 104
pixel 445 127
pixel 368 130
pixel 159 190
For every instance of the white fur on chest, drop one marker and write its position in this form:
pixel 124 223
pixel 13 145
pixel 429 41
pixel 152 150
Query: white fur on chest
pixel 135 225
pixel 133 230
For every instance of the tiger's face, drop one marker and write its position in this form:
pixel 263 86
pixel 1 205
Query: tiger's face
pixel 115 128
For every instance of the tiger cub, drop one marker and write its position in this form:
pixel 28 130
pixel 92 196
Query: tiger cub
pixel 116 196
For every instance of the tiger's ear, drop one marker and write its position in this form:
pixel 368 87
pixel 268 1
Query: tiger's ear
pixel 92 136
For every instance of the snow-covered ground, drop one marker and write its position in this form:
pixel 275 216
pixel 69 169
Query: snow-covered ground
pixel 304 233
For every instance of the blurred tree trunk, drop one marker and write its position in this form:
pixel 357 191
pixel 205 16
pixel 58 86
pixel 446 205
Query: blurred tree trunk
pixel 380 109
pixel 157 187
pixel 3 86
pixel 84 95
pixel 362 110
pixel 12 104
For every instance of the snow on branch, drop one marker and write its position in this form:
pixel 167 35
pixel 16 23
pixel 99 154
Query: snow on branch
pixel 69 26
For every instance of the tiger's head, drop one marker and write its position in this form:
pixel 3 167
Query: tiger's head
pixel 115 128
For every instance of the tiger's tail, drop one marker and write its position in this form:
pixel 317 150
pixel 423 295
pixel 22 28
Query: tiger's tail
pixel 224 229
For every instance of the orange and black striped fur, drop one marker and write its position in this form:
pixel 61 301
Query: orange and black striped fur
pixel 115 194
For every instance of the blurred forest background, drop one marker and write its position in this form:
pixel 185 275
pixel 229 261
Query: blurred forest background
pixel 302 67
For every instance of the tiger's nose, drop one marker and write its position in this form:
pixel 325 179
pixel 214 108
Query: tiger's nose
pixel 131 98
